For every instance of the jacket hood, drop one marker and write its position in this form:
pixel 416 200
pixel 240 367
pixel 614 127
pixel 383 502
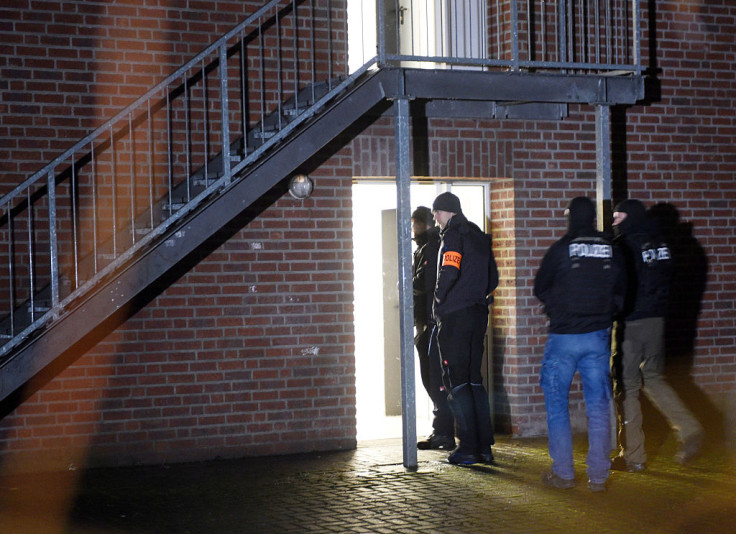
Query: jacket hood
pixel 636 216
pixel 581 216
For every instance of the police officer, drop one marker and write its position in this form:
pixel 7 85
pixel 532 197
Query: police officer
pixel 638 350
pixel 466 277
pixel 581 283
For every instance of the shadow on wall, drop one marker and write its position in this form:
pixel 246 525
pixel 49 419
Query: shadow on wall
pixel 685 303
pixel 501 406
pixel 688 285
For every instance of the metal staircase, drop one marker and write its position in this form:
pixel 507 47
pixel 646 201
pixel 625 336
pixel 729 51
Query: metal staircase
pixel 96 231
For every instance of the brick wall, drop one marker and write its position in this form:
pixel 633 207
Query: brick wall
pixel 681 157
pixel 251 351
pixel 248 353
pixel 69 66
pixel 675 152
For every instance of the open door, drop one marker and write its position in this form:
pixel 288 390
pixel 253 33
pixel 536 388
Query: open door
pixel 391 332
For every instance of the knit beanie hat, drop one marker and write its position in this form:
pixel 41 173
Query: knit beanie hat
pixel 447 202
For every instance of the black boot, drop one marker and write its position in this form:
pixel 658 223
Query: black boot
pixel 461 403
pixel 483 423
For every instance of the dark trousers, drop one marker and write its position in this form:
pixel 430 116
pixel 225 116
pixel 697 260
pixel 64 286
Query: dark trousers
pixel 430 369
pixel 460 338
pixel 638 366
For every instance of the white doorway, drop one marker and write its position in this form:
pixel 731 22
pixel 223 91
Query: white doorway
pixel 376 380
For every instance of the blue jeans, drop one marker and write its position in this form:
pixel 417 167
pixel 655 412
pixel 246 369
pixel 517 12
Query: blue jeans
pixel 589 354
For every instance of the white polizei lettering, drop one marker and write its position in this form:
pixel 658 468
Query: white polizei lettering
pixel 649 255
pixel 659 254
pixel 588 250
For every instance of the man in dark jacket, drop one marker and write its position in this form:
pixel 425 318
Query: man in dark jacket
pixel 638 349
pixel 466 277
pixel 427 238
pixel 581 283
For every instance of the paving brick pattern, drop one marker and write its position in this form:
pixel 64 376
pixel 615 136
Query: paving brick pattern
pixel 369 491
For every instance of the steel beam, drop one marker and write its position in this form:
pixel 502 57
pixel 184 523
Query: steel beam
pixel 468 109
pixel 523 87
pixel 406 303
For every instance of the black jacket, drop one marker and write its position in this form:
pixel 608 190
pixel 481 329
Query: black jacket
pixel 649 267
pixel 649 263
pixel 581 282
pixel 466 272
pixel 424 274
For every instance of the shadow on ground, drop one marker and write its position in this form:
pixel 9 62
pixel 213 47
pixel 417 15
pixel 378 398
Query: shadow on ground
pixel 368 490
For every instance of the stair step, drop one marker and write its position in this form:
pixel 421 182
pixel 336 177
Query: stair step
pixel 294 112
pixel 265 134
pixel 174 206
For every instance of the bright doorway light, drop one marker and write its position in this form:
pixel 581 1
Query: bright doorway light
pixel 370 199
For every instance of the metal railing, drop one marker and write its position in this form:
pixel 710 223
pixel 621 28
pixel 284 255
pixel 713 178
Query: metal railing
pixel 571 36
pixel 94 208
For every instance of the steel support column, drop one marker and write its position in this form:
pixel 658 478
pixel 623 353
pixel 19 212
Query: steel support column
pixel 603 203
pixel 603 163
pixel 406 303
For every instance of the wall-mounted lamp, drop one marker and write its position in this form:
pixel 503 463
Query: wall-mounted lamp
pixel 301 186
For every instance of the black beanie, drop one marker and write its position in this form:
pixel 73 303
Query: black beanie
pixel 423 214
pixel 447 202
pixel 581 215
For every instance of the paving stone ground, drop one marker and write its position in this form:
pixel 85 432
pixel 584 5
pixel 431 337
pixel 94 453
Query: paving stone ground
pixel 369 491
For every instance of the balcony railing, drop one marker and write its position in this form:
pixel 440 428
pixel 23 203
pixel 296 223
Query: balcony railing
pixel 573 36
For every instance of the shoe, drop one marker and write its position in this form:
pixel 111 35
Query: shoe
pixel 618 463
pixel 437 442
pixel 596 487
pixel 635 467
pixel 486 457
pixel 463 458
pixel 689 448
pixel 549 478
